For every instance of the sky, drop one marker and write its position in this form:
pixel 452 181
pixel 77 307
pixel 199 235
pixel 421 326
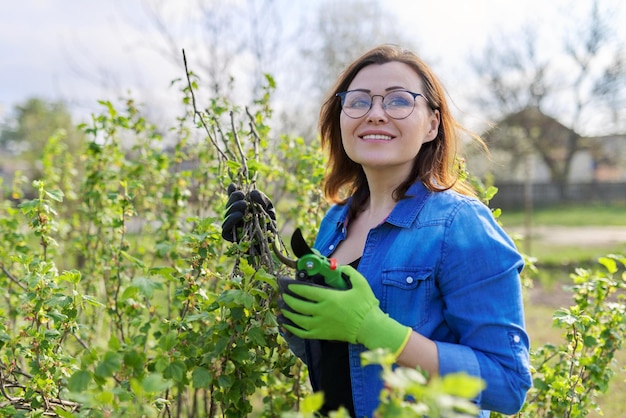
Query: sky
pixel 81 51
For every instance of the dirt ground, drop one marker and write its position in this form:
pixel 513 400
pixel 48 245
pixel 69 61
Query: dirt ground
pixel 583 235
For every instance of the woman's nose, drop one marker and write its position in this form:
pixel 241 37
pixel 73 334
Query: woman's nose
pixel 377 111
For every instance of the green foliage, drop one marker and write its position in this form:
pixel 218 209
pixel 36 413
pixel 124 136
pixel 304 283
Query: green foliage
pixel 120 298
pixel 569 377
pixel 408 393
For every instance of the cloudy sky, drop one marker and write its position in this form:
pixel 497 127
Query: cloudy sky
pixel 84 50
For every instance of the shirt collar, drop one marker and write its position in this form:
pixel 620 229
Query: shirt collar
pixel 406 210
pixel 403 214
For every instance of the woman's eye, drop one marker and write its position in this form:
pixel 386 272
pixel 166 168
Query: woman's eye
pixel 358 103
pixel 397 101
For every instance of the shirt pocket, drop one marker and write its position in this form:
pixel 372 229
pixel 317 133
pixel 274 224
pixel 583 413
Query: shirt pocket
pixel 406 293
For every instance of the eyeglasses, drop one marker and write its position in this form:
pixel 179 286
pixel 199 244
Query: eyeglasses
pixel 398 104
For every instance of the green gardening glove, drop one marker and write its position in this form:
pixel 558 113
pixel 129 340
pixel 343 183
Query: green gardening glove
pixel 351 315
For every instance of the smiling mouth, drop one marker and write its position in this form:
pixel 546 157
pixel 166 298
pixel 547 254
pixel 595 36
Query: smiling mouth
pixel 377 137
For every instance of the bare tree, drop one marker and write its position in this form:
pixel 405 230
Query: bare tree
pixel 338 33
pixel 530 92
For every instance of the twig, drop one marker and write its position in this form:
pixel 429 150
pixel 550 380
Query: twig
pixel 244 161
pixel 218 126
pixel 197 113
pixel 11 277
pixel 255 133
pixel 81 342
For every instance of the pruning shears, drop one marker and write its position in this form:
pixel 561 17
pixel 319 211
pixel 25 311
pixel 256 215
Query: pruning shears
pixel 310 262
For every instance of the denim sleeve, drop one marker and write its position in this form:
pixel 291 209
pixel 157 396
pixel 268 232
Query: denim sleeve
pixel 479 280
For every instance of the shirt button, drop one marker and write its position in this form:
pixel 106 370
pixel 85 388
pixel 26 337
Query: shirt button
pixel 409 280
pixel 331 247
pixel 516 338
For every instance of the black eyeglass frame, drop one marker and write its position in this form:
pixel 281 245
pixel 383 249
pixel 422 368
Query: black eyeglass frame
pixel 342 96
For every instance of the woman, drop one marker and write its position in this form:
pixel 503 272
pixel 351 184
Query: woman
pixel 438 280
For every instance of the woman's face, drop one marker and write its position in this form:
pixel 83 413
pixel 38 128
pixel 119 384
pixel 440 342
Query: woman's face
pixel 378 142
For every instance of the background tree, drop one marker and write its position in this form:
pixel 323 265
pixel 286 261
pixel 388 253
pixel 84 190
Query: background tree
pixel 580 87
pixel 232 45
pixel 338 33
pixel 25 135
pixel 226 40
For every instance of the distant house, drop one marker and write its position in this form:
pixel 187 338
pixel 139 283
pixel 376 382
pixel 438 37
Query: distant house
pixel 514 141
pixel 608 156
pixel 596 171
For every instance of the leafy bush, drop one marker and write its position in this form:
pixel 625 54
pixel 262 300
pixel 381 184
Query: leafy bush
pixel 121 297
pixel 569 377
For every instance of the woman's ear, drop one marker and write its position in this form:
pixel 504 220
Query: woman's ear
pixel 435 119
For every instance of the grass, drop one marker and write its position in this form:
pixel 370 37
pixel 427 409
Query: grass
pixel 570 215
pixel 556 262
pixel 564 256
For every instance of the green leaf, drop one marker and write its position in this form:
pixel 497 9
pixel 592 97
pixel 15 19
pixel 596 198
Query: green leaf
pixel 57 316
pixel 221 344
pixel 201 378
pixel 130 292
pixel 312 403
pixel 137 262
pixel 92 300
pixel 175 371
pixel 79 381
pixel 379 356
pixel 609 263
pixel 257 336
pixel 240 354
pixel 62 413
pixel 462 385
pixel 8 411
pixel 164 271
pixel 146 286
pixel 234 165
pixel 134 360
pixel 114 343
pixel 58 300
pixel 564 315
pixel 265 277
pixel 540 385
pixel 110 364
pixel 590 341
pixel 236 297
pixel 55 195
pixel 225 382
pixel 28 206
pixel 491 192
pixel 161 363
pixel 154 383
pixel 169 341
pixel 72 276
pixel 106 397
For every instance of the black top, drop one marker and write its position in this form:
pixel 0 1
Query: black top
pixel 335 374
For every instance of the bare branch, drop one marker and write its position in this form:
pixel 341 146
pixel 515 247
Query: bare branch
pixel 12 278
pixel 197 113
pixel 244 161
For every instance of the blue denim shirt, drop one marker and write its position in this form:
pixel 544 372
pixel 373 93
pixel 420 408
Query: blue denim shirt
pixel 442 265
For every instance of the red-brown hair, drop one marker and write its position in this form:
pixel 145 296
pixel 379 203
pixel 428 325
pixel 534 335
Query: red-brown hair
pixel 435 164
